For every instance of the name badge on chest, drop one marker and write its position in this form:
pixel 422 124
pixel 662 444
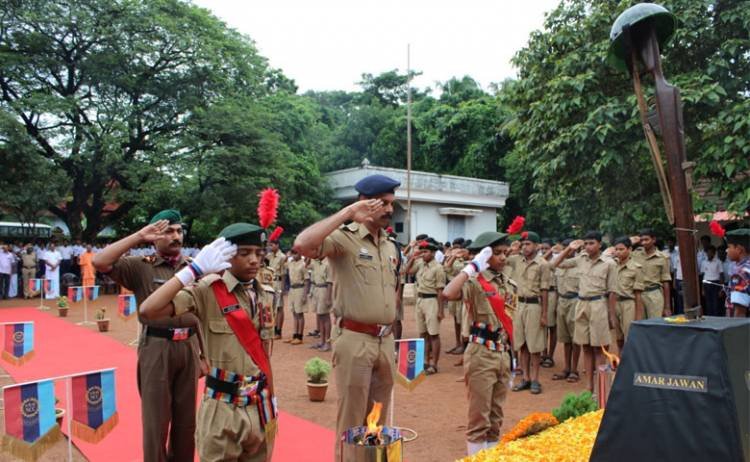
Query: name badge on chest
pixel 364 254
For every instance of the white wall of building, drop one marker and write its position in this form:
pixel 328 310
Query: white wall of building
pixel 427 219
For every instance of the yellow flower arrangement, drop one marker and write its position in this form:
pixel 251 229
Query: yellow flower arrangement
pixel 570 441
pixel 529 425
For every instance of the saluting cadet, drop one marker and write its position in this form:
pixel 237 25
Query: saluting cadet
pixel 484 289
pixel 237 415
pixel 364 263
pixel 597 296
pixel 168 349
pixel 656 276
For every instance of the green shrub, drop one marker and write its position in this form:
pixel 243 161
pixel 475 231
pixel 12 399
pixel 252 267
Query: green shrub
pixel 317 370
pixel 575 405
pixel 62 302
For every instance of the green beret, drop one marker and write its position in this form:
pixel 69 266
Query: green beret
pixel 171 215
pixel 488 239
pixel 739 237
pixel 530 236
pixel 243 234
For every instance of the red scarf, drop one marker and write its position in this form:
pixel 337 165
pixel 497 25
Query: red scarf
pixel 497 302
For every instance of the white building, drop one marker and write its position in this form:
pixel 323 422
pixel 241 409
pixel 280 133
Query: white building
pixel 442 206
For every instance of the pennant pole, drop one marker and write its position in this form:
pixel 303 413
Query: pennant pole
pixel 41 296
pixel 86 321
pixel 69 411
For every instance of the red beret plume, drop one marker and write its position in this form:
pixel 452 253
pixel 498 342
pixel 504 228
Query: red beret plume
pixel 524 235
pixel 276 234
pixel 717 229
pixel 423 244
pixel 516 226
pixel 389 229
pixel 267 207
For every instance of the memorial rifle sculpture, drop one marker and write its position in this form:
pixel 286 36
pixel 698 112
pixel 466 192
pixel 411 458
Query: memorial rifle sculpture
pixel 636 38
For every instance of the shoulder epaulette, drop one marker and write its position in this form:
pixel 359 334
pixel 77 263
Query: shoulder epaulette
pixel 149 259
pixel 352 227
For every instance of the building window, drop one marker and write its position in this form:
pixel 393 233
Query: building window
pixel 400 227
pixel 456 226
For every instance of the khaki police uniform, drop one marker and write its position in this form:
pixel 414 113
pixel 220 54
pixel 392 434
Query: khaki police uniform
pixel 363 269
pixel 297 276
pixel 656 270
pixel 277 262
pixel 552 301
pixel 227 431
pixel 629 281
pixel 531 277
pixel 430 279
pixel 596 279
pixel 28 271
pixel 168 369
pixel 567 298
pixel 486 364
pixel 320 280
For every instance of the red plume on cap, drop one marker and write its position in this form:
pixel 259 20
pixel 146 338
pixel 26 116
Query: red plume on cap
pixel 717 229
pixel 423 244
pixel 389 229
pixel 524 235
pixel 267 207
pixel 276 234
pixel 516 226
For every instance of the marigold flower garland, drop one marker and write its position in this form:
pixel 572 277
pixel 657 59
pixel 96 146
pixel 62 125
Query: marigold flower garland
pixel 570 441
pixel 531 424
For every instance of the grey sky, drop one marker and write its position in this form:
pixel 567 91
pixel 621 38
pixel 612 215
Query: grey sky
pixel 327 45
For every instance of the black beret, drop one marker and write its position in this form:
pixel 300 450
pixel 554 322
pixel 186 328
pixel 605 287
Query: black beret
pixel 458 241
pixel 171 215
pixel 374 185
pixel 243 234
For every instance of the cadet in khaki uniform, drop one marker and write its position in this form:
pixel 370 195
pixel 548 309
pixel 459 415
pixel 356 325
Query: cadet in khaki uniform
pixel 452 265
pixel 487 356
pixel 236 419
pixel 28 270
pixel 429 309
pixel 532 275
pixel 566 281
pixel 597 288
pixel 321 295
pixel 550 345
pixel 629 288
pixel 277 262
pixel 168 350
pixel 656 276
pixel 298 290
pixel 363 263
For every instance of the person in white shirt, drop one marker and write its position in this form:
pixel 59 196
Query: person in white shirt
pixel 712 271
pixel 52 260
pixel 66 251
pixel 6 261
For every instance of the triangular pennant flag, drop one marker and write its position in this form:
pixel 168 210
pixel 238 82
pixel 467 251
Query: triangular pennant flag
pixel 75 294
pixel 35 285
pixel 19 342
pixel 126 305
pixel 410 363
pixel 94 405
pixel 30 426
pixel 50 289
pixel 92 293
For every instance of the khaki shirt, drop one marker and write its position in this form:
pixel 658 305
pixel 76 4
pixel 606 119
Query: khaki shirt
pixel 629 279
pixel 363 269
pixel 223 350
pixel 452 270
pixel 277 262
pixel 473 294
pixel 297 272
pixel 28 259
pixel 320 272
pixel 266 275
pixel 430 277
pixel 596 277
pixel 566 280
pixel 531 276
pixel 142 276
pixel 655 267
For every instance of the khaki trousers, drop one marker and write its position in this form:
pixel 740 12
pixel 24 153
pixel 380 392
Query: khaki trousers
pixel 653 303
pixel 229 432
pixel 167 381
pixel 26 274
pixel 363 368
pixel 566 319
pixel 486 374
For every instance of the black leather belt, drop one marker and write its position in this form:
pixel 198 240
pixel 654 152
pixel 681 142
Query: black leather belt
pixel 653 287
pixel 528 300
pixel 297 286
pixel 231 388
pixel 277 278
pixel 568 296
pixel 620 298
pixel 176 334
pixel 321 285
pixel 591 299
pixel 426 295
pixel 485 333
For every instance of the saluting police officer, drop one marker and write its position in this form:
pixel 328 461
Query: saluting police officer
pixel 363 262
pixel 168 349
pixel 237 415
pixel 483 288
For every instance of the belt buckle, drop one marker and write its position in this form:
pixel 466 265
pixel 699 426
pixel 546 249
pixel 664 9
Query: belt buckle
pixel 383 330
pixel 180 333
pixel 245 388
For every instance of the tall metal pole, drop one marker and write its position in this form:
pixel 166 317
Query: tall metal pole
pixel 408 143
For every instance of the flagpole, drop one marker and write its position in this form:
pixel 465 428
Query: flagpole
pixel 408 143
pixel 69 411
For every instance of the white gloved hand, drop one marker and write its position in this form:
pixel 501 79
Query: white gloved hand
pixel 479 263
pixel 212 258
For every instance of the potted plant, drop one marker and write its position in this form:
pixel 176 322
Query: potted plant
pixel 317 371
pixel 102 320
pixel 59 413
pixel 62 306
